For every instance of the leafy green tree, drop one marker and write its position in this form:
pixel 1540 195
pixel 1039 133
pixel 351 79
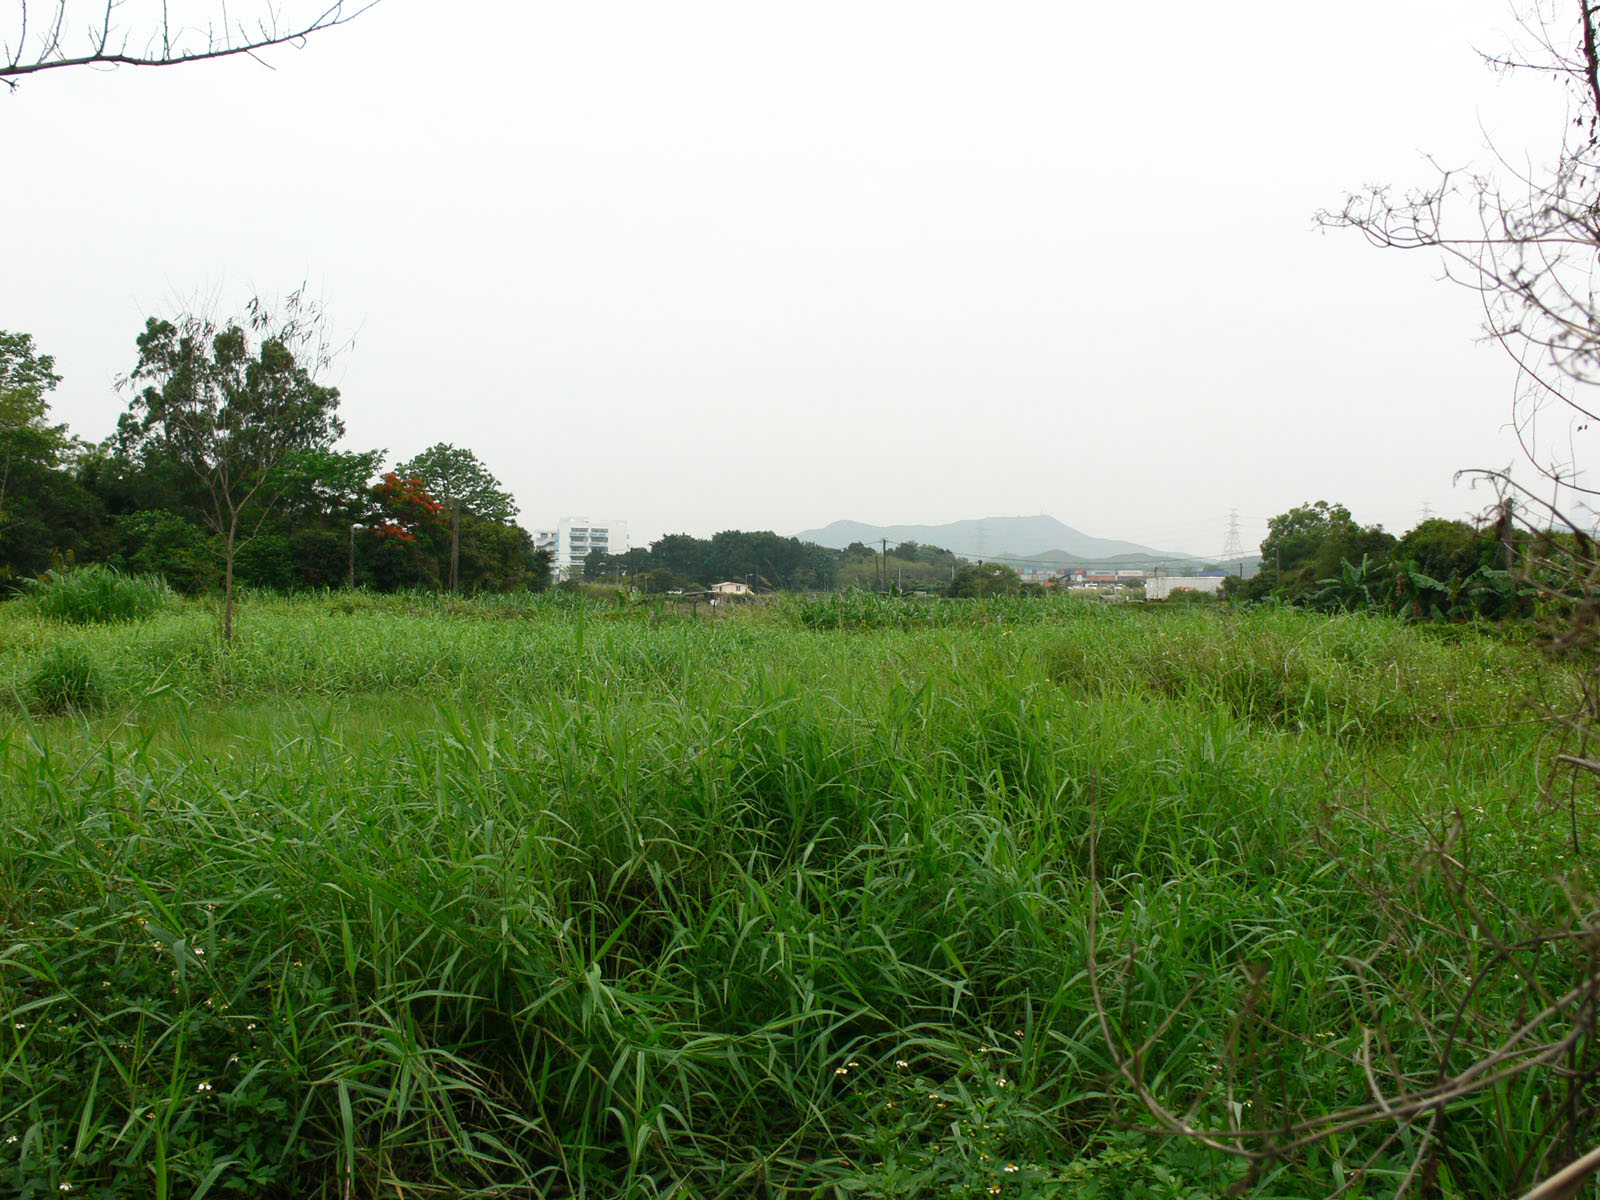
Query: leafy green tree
pixel 767 559
pixel 762 558
pixel 1310 543
pixel 158 542
pixel 659 580
pixel 537 565
pixel 908 566
pixel 306 540
pixel 1444 548
pixel 985 579
pixel 464 486
pixel 26 378
pixel 1448 570
pixel 683 555
pixel 230 404
pixel 455 475
pixel 494 556
pixel 45 513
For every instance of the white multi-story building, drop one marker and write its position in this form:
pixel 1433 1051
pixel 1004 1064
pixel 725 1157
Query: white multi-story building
pixel 575 538
pixel 1159 587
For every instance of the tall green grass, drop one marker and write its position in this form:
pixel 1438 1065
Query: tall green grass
pixel 587 900
pixel 97 594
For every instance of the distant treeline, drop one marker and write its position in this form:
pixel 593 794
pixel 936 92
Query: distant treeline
pixel 767 562
pixel 226 457
pixel 204 461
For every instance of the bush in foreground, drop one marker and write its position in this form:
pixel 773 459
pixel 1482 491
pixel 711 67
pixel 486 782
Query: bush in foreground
pixel 65 680
pixel 97 594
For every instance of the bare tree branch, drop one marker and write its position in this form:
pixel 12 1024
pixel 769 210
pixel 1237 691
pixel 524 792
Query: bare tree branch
pixel 107 43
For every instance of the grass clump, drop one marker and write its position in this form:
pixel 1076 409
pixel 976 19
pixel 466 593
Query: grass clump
pixel 65 679
pixel 97 595
pixel 860 611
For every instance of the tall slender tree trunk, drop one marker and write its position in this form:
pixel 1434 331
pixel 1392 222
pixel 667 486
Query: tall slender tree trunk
pixel 227 585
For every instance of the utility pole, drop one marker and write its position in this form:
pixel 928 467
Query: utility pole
pixel 352 580
pixel 455 542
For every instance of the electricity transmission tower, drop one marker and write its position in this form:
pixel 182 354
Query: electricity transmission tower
pixel 1233 547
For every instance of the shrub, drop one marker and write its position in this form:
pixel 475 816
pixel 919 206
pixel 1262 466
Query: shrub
pixel 65 680
pixel 97 594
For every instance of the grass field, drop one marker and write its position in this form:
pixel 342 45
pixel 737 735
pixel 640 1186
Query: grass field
pixel 417 897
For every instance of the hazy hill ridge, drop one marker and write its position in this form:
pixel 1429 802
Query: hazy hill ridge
pixel 1042 538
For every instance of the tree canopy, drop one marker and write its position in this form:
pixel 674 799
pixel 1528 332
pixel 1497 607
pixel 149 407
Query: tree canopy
pixel 26 378
pixel 45 513
pixel 454 474
pixel 230 404
pixel 1309 542
pixel 984 579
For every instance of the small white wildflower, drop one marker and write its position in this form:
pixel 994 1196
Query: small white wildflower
pixel 1011 1168
pixel 901 1063
pixel 203 1086
pixel 841 1070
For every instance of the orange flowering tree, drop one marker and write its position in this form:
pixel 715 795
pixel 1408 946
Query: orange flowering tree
pixel 403 534
pixel 404 506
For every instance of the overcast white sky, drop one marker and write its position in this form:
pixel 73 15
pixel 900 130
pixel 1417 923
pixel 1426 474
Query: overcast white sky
pixel 757 265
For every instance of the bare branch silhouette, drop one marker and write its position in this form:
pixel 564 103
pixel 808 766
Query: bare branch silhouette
pixel 106 40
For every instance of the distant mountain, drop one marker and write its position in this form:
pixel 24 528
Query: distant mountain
pixel 1042 538
pixel 1041 542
